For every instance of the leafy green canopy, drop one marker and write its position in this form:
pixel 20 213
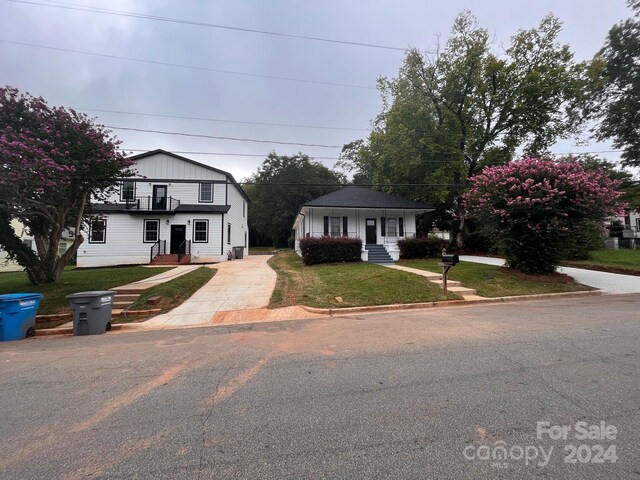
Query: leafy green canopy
pixel 616 95
pixel 282 185
pixel 451 113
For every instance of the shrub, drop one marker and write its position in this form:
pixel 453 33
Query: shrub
pixel 330 249
pixel 423 247
pixel 534 208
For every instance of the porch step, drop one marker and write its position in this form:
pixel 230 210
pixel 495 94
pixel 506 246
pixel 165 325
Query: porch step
pixel 378 254
pixel 171 259
pixel 122 301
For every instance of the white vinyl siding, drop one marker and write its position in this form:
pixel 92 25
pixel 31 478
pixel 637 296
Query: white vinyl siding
pixel 236 218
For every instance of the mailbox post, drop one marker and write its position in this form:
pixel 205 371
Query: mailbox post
pixel 448 261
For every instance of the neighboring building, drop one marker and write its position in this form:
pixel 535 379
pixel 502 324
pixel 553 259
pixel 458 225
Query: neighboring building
pixel 174 210
pixel 378 219
pixel 623 231
pixel 7 265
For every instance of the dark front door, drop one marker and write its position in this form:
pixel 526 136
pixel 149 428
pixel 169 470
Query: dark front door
pixel 372 236
pixel 159 197
pixel 178 235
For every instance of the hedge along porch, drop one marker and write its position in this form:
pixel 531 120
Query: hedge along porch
pixel 378 219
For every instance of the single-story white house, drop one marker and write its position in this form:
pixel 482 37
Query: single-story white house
pixel 174 210
pixel 7 265
pixel 377 218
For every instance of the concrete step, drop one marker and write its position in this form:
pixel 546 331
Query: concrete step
pixel 129 290
pixel 464 291
pixel 450 283
pixel 124 304
pixel 122 297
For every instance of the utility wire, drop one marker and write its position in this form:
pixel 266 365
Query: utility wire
pixel 205 119
pixel 198 135
pixel 191 67
pixel 104 11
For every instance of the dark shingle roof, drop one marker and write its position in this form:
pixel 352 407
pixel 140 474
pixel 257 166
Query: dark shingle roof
pixel 362 197
pixel 182 208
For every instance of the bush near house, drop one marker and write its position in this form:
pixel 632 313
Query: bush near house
pixel 330 249
pixel 423 247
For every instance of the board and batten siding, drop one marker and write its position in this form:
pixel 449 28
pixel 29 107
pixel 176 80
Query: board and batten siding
pixel 124 243
pixel 164 166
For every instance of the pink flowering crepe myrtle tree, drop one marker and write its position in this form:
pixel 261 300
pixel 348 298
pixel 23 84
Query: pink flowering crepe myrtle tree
pixel 532 208
pixel 52 162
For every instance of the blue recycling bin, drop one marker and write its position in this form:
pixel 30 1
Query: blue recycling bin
pixel 17 315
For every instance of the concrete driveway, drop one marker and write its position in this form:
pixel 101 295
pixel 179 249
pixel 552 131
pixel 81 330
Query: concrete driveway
pixel 238 284
pixel 606 282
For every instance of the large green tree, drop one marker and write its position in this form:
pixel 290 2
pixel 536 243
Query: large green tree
pixel 52 161
pixel 616 95
pixel 280 187
pixel 468 105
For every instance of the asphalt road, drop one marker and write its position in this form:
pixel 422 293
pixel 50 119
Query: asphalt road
pixel 421 394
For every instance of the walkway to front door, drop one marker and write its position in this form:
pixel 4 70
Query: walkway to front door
pixel 237 285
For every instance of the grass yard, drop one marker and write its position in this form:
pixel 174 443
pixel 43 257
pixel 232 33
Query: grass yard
pixel 357 284
pixel 261 250
pixel 72 281
pixel 491 281
pixel 620 261
pixel 175 292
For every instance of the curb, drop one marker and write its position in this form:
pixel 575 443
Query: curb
pixel 448 303
pixel 67 331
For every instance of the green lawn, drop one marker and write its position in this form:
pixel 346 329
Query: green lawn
pixel 176 291
pixel 72 281
pixel 616 259
pixel 491 281
pixel 357 284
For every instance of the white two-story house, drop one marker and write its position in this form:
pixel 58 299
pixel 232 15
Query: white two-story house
pixel 174 210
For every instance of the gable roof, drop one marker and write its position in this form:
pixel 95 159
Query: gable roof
pixel 362 197
pixel 193 162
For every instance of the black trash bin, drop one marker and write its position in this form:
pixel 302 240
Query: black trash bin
pixel 238 252
pixel 91 311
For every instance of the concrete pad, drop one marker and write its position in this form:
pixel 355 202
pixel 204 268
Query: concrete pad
pixel 238 285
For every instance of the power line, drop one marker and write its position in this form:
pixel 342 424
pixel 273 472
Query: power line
pixel 120 13
pixel 198 135
pixel 205 119
pixel 191 67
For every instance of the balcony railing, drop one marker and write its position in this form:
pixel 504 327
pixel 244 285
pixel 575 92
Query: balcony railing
pixel 153 204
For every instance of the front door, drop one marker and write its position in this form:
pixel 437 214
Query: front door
pixel 159 197
pixel 178 235
pixel 372 236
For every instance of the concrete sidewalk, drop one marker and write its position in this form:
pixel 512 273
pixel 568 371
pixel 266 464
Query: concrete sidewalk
pixel 238 285
pixel 604 281
pixel 163 277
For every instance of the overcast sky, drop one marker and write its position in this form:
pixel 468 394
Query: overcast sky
pixel 102 83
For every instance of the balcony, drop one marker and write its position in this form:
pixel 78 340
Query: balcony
pixel 152 204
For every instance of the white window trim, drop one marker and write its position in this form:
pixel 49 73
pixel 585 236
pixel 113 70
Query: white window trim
pixel 395 227
pixel 206 231
pixel 122 199
pixel 339 219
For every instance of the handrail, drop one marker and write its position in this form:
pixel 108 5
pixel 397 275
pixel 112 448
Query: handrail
pixel 184 251
pixel 150 203
pixel 159 247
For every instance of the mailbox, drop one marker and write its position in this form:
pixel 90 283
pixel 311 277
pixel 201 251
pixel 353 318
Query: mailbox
pixel 450 259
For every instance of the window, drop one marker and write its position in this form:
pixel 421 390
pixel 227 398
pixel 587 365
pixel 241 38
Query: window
pixel 206 193
pixel 244 209
pixel 97 231
pixel 151 231
pixel 391 227
pixel 62 247
pixel 201 231
pixel 335 226
pixel 28 242
pixel 128 191
pixel 228 233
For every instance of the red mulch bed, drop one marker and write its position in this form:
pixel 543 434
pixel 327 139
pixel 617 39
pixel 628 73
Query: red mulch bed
pixel 550 278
